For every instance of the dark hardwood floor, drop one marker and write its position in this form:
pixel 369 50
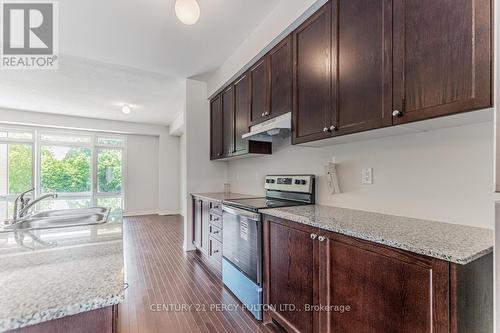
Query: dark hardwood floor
pixel 160 274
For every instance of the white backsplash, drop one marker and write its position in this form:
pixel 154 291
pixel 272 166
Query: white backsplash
pixel 444 175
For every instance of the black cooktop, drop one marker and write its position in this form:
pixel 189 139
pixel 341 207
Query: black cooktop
pixel 261 203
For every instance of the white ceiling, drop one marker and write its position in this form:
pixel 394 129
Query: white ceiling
pixel 92 89
pixel 130 51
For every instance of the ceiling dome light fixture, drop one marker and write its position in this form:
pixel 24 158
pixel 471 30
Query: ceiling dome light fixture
pixel 126 109
pixel 187 11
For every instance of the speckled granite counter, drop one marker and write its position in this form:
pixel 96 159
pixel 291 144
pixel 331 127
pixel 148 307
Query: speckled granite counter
pixel 216 196
pixel 81 270
pixel 454 243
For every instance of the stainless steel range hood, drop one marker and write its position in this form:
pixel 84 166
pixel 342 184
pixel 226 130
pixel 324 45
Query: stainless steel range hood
pixel 276 127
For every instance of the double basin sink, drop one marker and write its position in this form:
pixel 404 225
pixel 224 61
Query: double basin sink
pixel 59 219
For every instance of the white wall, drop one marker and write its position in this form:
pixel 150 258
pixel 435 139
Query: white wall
pixel 142 175
pixel 182 175
pixel 202 175
pixel 444 175
pixel 167 150
pixel 168 174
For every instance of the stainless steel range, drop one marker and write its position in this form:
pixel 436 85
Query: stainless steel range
pixel 242 236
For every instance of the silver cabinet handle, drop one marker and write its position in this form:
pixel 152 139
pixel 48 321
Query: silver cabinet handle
pixel 325 129
pixel 266 113
pixel 333 128
pixel 263 114
pixel 397 113
pixel 313 236
pixel 321 238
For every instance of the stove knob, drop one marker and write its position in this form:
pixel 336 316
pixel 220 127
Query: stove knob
pixel 297 182
pixel 302 182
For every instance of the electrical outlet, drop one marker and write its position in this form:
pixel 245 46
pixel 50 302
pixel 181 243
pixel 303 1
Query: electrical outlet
pixel 367 176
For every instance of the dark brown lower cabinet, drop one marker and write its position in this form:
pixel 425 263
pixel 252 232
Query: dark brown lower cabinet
pixel 290 273
pixel 201 227
pixel 197 221
pixel 102 320
pixel 207 231
pixel 320 281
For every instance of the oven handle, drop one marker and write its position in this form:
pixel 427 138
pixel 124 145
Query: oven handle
pixel 236 211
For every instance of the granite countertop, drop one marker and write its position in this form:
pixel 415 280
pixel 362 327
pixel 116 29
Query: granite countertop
pixel 451 242
pixel 82 270
pixel 221 196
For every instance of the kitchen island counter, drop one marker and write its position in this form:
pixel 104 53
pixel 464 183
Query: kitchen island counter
pixel 73 270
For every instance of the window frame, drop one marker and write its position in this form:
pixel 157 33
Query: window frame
pixel 93 144
pixel 9 141
pixel 96 194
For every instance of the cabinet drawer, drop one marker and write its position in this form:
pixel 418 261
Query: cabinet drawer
pixel 216 208
pixel 215 232
pixel 216 220
pixel 215 250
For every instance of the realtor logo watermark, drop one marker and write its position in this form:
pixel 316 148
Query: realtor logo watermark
pixel 30 38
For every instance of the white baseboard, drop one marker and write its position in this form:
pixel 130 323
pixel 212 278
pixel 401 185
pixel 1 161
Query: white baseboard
pixel 140 213
pixel 188 247
pixel 151 212
pixel 168 212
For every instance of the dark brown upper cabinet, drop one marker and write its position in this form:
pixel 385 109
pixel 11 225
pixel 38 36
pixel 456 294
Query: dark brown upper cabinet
pixel 442 57
pixel 227 121
pixel 280 71
pixel 259 96
pixel 363 64
pixel 216 128
pixel 358 65
pixel 312 77
pixel 271 83
pixel 241 112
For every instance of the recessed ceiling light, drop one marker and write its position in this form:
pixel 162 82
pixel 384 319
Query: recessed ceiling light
pixel 187 11
pixel 126 109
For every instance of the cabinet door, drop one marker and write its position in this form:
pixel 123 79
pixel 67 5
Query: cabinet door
pixel 228 121
pixel 205 227
pixel 259 92
pixel 387 290
pixel 197 219
pixel 280 70
pixel 442 57
pixel 312 77
pixel 216 128
pixel 241 112
pixel 364 64
pixel 290 274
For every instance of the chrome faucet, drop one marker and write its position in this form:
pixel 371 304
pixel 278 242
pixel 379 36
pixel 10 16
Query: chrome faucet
pixel 21 202
pixel 28 204
pixel 22 205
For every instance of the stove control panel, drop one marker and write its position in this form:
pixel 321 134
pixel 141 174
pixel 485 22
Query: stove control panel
pixel 290 183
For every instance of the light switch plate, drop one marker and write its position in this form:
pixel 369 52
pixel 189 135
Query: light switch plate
pixel 367 176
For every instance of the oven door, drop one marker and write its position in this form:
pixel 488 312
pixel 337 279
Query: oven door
pixel 242 241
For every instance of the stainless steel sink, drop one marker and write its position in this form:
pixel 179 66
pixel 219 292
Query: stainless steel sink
pixel 60 219
pixel 71 212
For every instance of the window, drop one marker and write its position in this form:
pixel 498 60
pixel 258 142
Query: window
pixel 84 169
pixel 66 169
pixel 16 167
